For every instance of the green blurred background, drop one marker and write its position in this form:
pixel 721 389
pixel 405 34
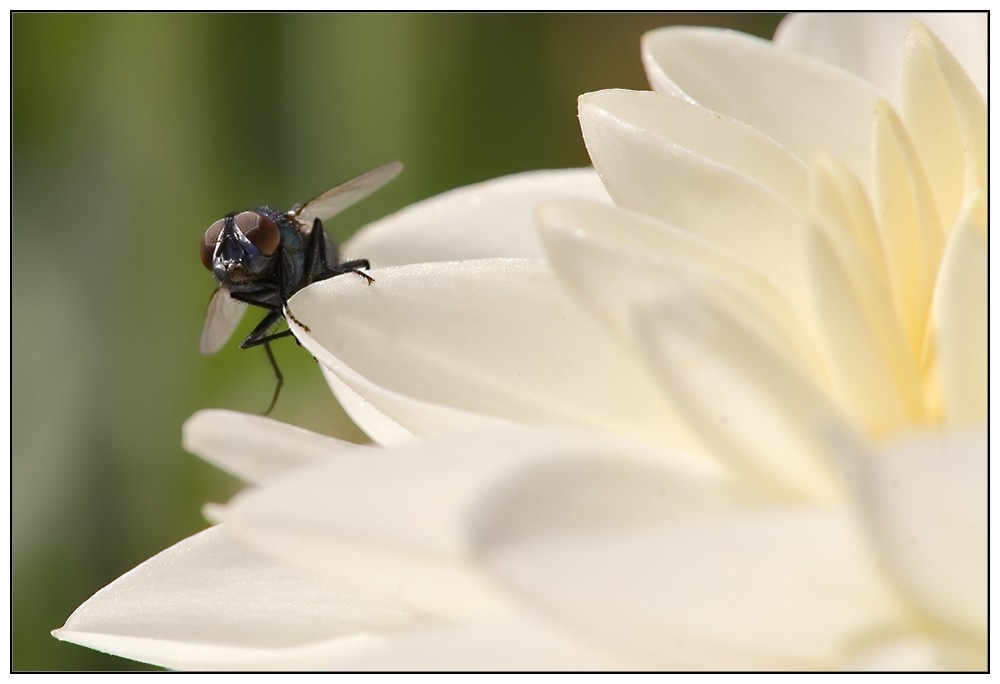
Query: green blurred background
pixel 131 134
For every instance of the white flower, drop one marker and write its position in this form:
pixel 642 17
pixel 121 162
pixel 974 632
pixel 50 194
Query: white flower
pixel 733 420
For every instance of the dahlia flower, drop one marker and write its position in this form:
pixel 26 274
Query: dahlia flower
pixel 718 403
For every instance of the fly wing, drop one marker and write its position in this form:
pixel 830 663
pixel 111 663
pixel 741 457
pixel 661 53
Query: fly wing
pixel 335 200
pixel 223 315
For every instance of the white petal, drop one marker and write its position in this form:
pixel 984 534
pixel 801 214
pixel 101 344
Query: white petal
pixel 613 260
pixel 500 644
pixel 959 319
pixel 804 104
pixel 404 522
pixel 871 366
pixel 211 603
pixel 705 133
pixel 917 653
pixel 254 448
pixel 925 498
pixel 757 411
pixel 947 119
pixel 494 338
pixel 837 197
pixel 490 219
pixel 871 44
pixel 646 171
pixel 703 580
pixel 909 223
pixel 392 417
pixel 494 645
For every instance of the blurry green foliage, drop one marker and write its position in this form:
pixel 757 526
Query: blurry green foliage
pixel 133 132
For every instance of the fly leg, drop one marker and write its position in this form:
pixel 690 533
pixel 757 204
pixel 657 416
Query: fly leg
pixel 355 266
pixel 259 336
pixel 277 374
pixel 316 266
pixel 318 261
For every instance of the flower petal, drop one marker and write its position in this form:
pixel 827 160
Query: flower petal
pixel 804 104
pixel 705 133
pixel 915 652
pixel 872 367
pixel 254 448
pixel 586 243
pixel 210 603
pixel 491 645
pixel 392 417
pixel 947 118
pixel 959 326
pixel 925 498
pixel 703 580
pixel 646 171
pixel 869 44
pixel 486 340
pixel 404 522
pixel 836 196
pixel 499 644
pixel 909 224
pixel 490 219
pixel 754 409
pixel 858 349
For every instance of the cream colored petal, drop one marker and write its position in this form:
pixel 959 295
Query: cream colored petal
pixel 854 305
pixel 926 501
pixel 494 645
pixel 495 338
pixel 646 172
pixel 917 652
pixel 211 603
pixel 490 219
pixel 254 448
pixel 959 327
pixel 740 588
pixel 870 44
pixel 837 196
pixel 909 223
pixel 804 104
pixel 756 411
pixel 709 134
pixel 405 522
pixel 947 119
pixel 871 366
pixel 392 417
pixel 501 644
pixel 613 260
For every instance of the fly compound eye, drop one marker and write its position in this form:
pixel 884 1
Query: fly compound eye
pixel 209 241
pixel 259 230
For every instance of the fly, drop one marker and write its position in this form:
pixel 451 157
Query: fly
pixel 262 257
